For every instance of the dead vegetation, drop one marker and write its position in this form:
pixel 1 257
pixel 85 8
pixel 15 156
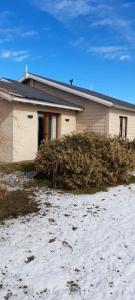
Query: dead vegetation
pixel 3 191
pixel 84 160
pixel 19 202
pixel 16 203
pixel 25 166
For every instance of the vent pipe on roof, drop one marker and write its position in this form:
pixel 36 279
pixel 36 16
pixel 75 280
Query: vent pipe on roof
pixel 71 81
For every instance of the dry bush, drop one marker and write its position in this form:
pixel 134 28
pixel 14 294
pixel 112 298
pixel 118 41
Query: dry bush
pixel 85 159
pixel 131 145
pixel 3 191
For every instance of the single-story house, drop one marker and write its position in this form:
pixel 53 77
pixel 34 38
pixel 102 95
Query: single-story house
pixel 35 109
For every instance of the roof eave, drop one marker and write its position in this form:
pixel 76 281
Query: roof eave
pixel 11 97
pixel 67 89
pixel 6 96
pixel 123 107
pixel 42 103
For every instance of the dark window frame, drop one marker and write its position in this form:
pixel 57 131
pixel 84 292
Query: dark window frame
pixel 123 119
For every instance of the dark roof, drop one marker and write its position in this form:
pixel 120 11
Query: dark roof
pixel 115 101
pixel 25 91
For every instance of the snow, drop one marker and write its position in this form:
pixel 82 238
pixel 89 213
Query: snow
pixel 81 247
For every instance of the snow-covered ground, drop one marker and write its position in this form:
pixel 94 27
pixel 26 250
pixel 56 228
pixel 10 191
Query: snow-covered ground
pixel 77 247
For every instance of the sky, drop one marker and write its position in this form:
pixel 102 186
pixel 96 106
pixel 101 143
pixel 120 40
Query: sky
pixel 90 41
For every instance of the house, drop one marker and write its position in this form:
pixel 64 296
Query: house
pixel 36 108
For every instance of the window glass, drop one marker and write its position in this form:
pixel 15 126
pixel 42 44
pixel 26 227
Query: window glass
pixel 52 127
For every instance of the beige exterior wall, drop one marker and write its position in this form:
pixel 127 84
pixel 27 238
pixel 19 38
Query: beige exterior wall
pixel 67 127
pixel 95 117
pixel 25 130
pixel 6 131
pixel 24 133
pixel 114 122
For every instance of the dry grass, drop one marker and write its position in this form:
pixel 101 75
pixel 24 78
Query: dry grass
pixel 3 191
pixel 25 166
pixel 16 203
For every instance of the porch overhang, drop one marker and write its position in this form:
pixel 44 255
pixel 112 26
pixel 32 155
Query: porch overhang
pixel 12 97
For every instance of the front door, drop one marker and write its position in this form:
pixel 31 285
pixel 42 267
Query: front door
pixel 48 127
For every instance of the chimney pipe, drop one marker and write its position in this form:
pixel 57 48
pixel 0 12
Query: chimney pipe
pixel 71 81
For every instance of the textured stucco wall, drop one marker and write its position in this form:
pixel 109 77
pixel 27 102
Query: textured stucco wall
pixel 6 131
pixel 25 130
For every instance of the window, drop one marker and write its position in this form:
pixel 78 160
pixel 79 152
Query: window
pixel 123 127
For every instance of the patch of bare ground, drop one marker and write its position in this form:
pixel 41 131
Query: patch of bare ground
pixel 16 203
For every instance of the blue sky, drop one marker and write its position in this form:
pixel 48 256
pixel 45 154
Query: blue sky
pixel 91 41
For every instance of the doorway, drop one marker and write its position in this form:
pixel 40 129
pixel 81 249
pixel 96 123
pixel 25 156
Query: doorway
pixel 48 127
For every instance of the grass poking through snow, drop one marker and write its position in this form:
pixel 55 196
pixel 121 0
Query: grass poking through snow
pixel 8 168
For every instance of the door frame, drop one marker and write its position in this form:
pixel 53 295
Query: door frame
pixel 46 124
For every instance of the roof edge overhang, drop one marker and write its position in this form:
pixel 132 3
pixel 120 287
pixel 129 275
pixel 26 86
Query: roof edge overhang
pixel 10 98
pixel 123 108
pixel 66 89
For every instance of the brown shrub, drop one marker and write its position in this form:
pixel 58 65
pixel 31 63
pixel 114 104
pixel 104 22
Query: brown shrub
pixel 85 159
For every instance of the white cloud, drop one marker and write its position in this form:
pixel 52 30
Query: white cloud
pixel 4 40
pixel 99 13
pixel 127 4
pixel 8 31
pixel 5 54
pixel 79 42
pixel 46 28
pixel 4 15
pixel 18 53
pixel 111 52
pixel 108 14
pixel 105 49
pixel 64 9
pixel 18 56
pixel 29 33
pixel 103 22
pixel 125 57
pixel 112 22
pixel 123 27
pixel 9 34
pixel 21 58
